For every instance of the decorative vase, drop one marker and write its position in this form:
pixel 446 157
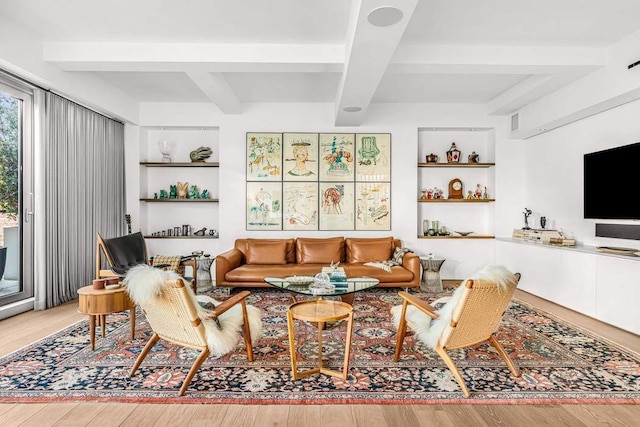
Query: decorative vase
pixel 453 155
pixel 166 148
pixel 425 227
pixel 432 158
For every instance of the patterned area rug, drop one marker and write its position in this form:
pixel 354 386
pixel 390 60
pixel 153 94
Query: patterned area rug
pixel 560 363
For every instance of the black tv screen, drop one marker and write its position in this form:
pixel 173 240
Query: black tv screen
pixel 610 182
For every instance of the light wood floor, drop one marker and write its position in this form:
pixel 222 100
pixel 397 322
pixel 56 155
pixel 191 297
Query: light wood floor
pixel 18 331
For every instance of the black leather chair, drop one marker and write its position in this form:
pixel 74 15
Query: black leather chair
pixel 127 251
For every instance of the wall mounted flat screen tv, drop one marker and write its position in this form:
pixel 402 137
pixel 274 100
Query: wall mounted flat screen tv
pixel 611 183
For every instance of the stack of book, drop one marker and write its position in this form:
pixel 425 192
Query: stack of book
pixel 338 279
pixel 536 235
pixel 561 241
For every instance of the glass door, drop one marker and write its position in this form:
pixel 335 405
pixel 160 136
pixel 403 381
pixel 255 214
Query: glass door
pixel 16 197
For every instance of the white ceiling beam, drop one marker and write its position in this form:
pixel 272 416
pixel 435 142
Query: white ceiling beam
pixel 85 56
pixel 217 89
pixel 532 89
pixel 369 50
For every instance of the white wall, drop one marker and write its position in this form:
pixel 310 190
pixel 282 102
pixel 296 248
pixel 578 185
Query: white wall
pixel 401 120
pixel 553 164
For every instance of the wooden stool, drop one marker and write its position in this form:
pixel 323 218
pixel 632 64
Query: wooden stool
pixel 320 311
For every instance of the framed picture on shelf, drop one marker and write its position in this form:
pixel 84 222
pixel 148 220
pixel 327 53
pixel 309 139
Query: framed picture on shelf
pixel 373 157
pixel 336 205
pixel 300 157
pixel 264 206
pixel 337 157
pixel 373 206
pixel 300 205
pixel 264 156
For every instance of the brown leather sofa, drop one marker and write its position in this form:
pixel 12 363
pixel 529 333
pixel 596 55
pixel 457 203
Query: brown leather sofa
pixel 251 260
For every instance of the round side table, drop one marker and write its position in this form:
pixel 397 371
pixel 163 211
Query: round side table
pixel 98 303
pixel 431 281
pixel 320 311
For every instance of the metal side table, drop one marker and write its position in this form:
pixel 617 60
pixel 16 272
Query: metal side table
pixel 431 281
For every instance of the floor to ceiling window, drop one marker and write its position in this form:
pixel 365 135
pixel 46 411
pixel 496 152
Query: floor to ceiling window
pixel 16 197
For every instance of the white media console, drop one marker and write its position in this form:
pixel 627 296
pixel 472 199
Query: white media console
pixel 600 285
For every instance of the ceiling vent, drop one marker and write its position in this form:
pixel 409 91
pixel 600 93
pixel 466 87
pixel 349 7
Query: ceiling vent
pixel 515 122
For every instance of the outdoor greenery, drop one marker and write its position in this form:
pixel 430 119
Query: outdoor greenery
pixel 9 137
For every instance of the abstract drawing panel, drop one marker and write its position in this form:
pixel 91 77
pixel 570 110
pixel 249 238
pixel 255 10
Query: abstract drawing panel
pixel 264 206
pixel 300 157
pixel 373 206
pixel 336 206
pixel 373 157
pixel 336 157
pixel 300 205
pixel 264 156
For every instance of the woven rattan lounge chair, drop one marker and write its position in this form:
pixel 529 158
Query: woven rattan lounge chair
pixel 469 317
pixel 174 314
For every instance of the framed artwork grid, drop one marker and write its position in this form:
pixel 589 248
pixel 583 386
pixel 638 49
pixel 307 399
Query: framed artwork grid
pixel 318 181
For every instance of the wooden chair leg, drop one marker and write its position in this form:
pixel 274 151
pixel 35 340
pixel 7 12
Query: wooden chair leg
pixel 402 331
pixel 247 331
pixel 154 339
pixel 454 370
pixel 513 368
pixel 194 368
pixel 292 345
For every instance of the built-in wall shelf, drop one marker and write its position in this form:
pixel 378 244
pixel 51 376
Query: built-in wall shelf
pixel 181 200
pixel 456 200
pixel 181 164
pixel 457 237
pixel 455 165
pixel 181 237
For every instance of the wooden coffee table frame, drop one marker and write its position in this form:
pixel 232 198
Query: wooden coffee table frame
pixel 98 303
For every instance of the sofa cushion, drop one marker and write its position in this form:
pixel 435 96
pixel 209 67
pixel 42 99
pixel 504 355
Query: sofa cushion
pixel 243 244
pixel 266 252
pixel 319 251
pixel 369 249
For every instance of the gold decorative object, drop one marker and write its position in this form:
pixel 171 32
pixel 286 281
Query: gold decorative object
pixel 183 188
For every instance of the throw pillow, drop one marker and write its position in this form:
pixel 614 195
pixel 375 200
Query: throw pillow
pixel 266 252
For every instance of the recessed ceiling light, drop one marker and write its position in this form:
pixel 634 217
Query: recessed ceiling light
pixel 384 16
pixel 353 109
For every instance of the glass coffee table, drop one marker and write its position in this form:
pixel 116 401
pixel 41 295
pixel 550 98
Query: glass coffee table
pixel 297 286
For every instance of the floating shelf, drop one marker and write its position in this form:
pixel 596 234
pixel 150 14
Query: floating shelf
pixel 181 164
pixel 455 165
pixel 181 200
pixel 456 200
pixel 458 237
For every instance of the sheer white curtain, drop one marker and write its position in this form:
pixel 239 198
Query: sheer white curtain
pixel 82 191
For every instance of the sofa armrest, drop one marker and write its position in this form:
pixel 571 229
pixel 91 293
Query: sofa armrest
pixel 411 262
pixel 226 262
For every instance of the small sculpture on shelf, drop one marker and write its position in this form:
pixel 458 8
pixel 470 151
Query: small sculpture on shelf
pixel 204 194
pixel 470 195
pixel 193 192
pixel 474 157
pixel 485 195
pixel 183 188
pixel 163 194
pixel 437 193
pixel 200 232
pixel 173 192
pixel 155 195
pixel 478 193
pixel 200 154
pixel 527 213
